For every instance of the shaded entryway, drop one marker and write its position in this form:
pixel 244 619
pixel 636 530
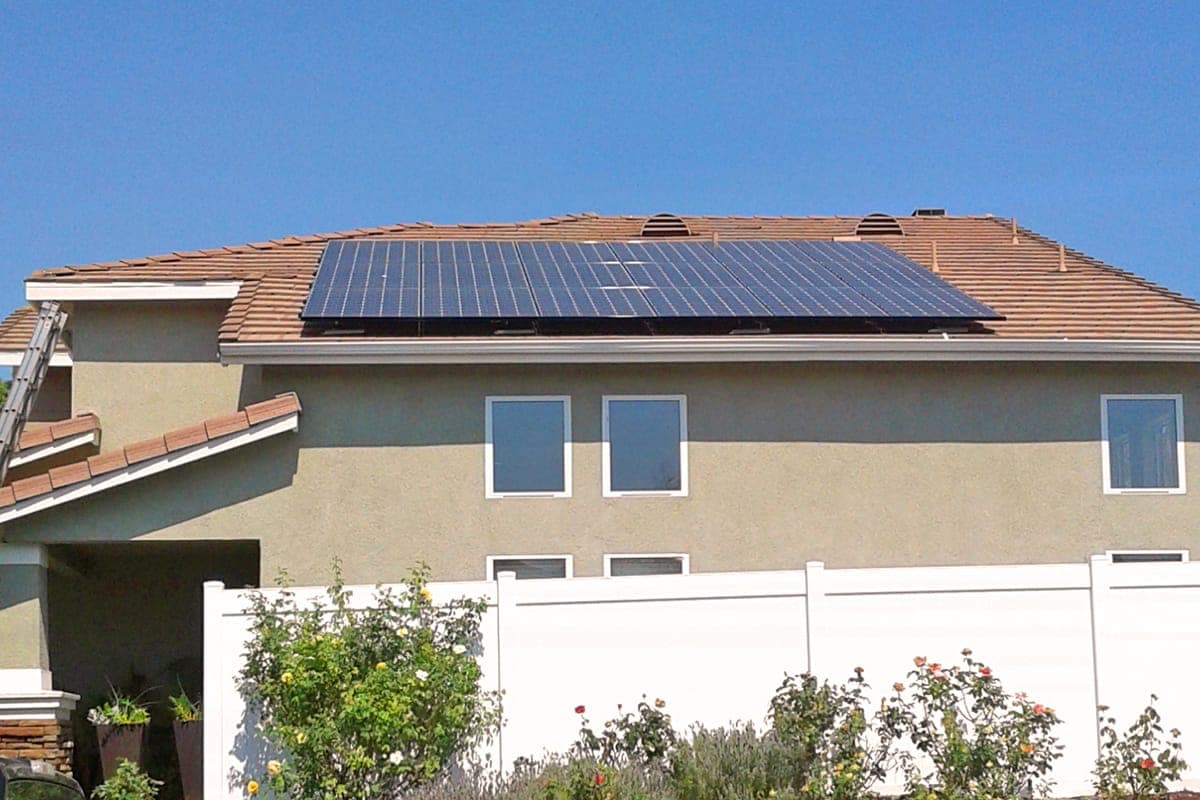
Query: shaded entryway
pixel 128 615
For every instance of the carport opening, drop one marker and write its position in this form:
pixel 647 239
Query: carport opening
pixel 129 616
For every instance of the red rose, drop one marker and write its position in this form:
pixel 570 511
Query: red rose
pixel 1147 763
pixel 985 671
pixel 580 709
pixel 598 778
pixel 935 667
pixel 1039 709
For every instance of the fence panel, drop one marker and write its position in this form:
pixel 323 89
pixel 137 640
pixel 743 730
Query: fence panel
pixel 715 646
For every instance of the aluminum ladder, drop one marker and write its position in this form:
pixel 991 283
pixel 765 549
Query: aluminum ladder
pixel 28 379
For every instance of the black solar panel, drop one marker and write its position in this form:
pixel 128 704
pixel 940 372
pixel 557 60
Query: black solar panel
pixel 482 279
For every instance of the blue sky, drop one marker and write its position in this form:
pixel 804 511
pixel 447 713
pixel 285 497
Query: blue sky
pixel 127 129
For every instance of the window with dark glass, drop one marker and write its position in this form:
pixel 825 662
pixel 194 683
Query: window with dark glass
pixel 528 442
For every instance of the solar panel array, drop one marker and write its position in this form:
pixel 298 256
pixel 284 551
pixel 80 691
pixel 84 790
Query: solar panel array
pixel 382 279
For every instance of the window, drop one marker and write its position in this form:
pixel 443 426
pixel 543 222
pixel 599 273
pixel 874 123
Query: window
pixel 1142 443
pixel 616 566
pixel 527 447
pixel 530 567
pixel 1146 556
pixel 645 445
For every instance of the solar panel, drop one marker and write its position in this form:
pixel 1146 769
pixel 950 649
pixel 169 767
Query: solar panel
pixel 379 279
pixel 473 279
pixel 366 280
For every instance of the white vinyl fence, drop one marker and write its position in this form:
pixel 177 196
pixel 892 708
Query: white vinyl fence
pixel 715 647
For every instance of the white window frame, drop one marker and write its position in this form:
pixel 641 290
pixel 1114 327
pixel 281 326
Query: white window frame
pixel 1186 555
pixel 1105 456
pixel 606 453
pixel 569 570
pixel 489 491
pixel 608 559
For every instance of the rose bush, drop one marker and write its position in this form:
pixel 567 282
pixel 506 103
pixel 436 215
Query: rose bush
pixel 363 702
pixel 1139 763
pixel 979 742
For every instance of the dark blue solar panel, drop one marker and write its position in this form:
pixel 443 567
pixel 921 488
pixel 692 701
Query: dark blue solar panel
pixel 681 279
pixel 366 280
pixel 473 279
pixel 396 279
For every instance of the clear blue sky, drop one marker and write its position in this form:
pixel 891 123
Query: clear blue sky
pixel 126 130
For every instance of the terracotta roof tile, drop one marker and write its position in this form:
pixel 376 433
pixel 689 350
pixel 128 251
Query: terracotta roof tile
pixel 69 474
pixel 17 328
pixel 76 425
pixel 226 424
pixel 79 471
pixel 35 436
pixel 975 253
pixel 107 462
pixel 145 449
pixel 29 487
pixel 185 437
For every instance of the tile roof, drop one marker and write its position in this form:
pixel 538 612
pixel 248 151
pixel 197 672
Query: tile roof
pixel 977 254
pixel 37 434
pixel 17 328
pixel 171 442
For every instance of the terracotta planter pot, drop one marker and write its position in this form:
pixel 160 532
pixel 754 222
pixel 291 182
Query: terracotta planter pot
pixel 117 742
pixel 189 746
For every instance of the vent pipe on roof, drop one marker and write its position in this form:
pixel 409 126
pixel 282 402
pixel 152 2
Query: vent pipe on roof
pixel 933 255
pixel 1062 258
pixel 1014 231
pixel 716 238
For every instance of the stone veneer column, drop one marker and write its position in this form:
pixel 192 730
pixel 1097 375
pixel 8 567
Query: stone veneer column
pixel 35 720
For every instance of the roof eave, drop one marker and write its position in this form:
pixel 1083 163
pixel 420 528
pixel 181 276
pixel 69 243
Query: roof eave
pixel 617 350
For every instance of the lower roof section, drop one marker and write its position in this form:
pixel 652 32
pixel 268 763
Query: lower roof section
pixel 728 348
pixel 176 448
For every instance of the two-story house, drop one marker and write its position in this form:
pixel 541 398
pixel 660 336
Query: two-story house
pixel 577 396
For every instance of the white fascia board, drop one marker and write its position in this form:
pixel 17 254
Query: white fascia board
pixel 12 358
pixel 664 349
pixel 53 448
pixel 153 466
pixel 132 290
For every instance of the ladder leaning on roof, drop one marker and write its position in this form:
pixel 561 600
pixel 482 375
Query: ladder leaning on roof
pixel 28 379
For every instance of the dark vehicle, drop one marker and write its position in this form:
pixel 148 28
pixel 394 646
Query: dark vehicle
pixel 22 779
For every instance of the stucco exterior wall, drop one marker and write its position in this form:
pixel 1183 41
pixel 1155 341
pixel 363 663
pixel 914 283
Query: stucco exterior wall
pixel 146 368
pixel 23 642
pixel 853 464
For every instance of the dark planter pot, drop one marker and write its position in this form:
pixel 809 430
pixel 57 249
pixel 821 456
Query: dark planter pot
pixel 189 746
pixel 117 742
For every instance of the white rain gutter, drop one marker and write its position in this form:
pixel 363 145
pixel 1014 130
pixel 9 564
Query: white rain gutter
pixel 132 290
pixel 732 348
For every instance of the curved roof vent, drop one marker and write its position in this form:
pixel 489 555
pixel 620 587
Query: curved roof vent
pixel 878 225
pixel 662 225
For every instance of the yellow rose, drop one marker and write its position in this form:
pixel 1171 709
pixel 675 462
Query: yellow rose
pixel 286 677
pixel 252 787
pixel 300 737
pixel 1026 748
pixel 273 767
pixel 425 593
pixel 381 665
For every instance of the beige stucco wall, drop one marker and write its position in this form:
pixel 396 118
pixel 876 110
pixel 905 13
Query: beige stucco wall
pixel 146 368
pixel 853 464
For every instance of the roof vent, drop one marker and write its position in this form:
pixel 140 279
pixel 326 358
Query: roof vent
pixel 663 225
pixel 878 225
pixel 929 212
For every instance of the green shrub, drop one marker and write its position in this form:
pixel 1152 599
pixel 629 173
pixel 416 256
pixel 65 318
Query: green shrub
pixel 982 742
pixel 735 763
pixel 1139 763
pixel 364 702
pixel 838 753
pixel 127 783
pixel 644 739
